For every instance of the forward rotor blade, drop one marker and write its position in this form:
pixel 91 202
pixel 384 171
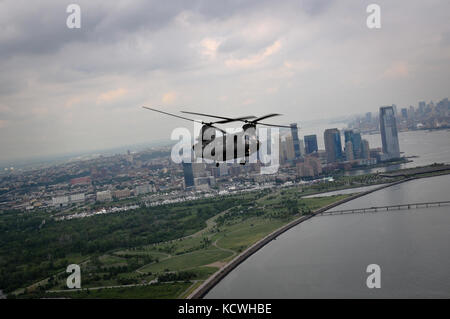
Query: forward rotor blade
pixel 266 117
pixel 170 114
pixel 185 118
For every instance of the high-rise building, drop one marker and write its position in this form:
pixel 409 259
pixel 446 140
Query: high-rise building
pixel 405 113
pixel 333 146
pixel 294 132
pixel 389 136
pixel 355 138
pixel 188 175
pixel 289 148
pixel 422 106
pixel 310 144
pixel 302 147
pixel 349 151
pixel 394 107
pixel 365 150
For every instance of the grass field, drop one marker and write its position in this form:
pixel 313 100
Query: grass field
pixel 200 254
pixel 239 236
pixel 187 261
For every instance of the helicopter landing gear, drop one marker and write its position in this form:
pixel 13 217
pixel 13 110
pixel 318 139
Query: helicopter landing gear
pixel 217 164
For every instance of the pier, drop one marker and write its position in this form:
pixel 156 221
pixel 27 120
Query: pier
pixel 386 208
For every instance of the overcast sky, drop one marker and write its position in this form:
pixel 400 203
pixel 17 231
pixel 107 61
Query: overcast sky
pixel 65 90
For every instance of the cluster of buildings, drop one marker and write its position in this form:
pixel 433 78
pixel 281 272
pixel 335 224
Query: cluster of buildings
pixel 342 149
pixel 151 175
pixel 301 158
pixel 424 116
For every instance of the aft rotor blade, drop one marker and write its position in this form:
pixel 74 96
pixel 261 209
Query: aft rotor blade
pixel 266 117
pixel 170 114
pixel 216 116
pixel 273 125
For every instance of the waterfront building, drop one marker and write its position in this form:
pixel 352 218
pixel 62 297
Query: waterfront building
pixel 310 144
pixel 355 138
pixel 349 151
pixel 302 147
pixel 289 148
pixel 389 135
pixel 365 150
pixel 295 140
pixel 333 146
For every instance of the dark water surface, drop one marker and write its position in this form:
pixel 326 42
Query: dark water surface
pixel 327 256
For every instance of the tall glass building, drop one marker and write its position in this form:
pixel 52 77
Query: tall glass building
pixel 296 142
pixel 188 175
pixel 333 146
pixel 389 136
pixel 310 144
pixel 355 138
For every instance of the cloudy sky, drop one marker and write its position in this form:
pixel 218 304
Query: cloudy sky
pixel 67 90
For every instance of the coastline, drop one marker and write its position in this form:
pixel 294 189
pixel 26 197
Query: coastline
pixel 209 283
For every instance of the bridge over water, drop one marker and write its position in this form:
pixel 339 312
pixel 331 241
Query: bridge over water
pixel 374 209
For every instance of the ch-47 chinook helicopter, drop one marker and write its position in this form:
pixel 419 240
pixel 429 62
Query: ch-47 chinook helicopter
pixel 229 146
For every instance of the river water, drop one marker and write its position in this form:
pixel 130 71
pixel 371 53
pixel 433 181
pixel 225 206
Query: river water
pixel 429 147
pixel 327 256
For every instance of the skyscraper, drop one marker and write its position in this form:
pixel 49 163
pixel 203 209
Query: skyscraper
pixel 365 149
pixel 349 151
pixel 389 136
pixel 405 113
pixel 289 148
pixel 294 132
pixel 310 144
pixel 355 138
pixel 302 147
pixel 188 175
pixel 333 146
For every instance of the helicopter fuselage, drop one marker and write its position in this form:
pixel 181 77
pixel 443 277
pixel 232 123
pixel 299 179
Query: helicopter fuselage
pixel 226 147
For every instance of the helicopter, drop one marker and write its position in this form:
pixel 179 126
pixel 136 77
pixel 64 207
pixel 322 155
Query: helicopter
pixel 229 146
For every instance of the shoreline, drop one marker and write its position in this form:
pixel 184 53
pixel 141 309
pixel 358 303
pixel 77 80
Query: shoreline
pixel 209 283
